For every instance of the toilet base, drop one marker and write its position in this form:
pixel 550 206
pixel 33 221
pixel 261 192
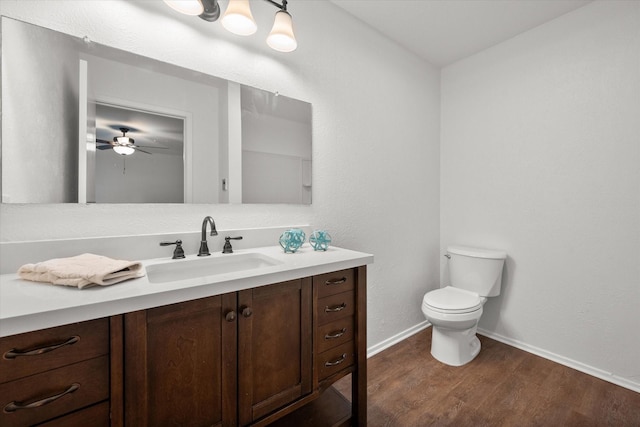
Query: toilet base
pixel 454 347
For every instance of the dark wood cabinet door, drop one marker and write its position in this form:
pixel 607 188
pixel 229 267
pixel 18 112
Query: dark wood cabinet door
pixel 274 347
pixel 180 364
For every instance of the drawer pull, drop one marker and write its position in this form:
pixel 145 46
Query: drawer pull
pixel 337 361
pixel 335 334
pixel 13 353
pixel 14 406
pixel 335 282
pixel 335 308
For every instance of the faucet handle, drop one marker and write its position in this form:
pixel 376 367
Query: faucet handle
pixel 178 252
pixel 227 244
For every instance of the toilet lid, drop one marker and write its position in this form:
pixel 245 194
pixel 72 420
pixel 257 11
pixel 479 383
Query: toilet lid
pixel 453 300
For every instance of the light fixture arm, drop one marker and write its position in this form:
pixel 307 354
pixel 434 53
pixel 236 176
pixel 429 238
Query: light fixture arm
pixel 282 6
pixel 211 10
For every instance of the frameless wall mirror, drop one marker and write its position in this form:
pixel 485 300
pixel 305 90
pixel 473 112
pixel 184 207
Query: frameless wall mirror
pixel 83 122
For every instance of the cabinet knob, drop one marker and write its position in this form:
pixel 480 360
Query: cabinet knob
pixel 247 312
pixel 230 316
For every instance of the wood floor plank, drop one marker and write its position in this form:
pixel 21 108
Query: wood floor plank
pixel 503 386
pixel 610 406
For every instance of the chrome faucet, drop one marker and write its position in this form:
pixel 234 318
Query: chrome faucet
pixel 204 248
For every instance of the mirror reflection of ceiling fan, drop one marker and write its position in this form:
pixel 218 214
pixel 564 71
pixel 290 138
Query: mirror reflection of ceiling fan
pixel 123 145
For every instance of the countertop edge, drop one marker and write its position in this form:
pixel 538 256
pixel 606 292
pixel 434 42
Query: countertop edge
pixel 17 323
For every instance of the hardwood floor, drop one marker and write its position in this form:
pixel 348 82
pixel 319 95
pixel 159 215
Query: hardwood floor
pixel 502 386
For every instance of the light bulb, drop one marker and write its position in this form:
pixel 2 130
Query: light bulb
pixel 123 149
pixel 238 18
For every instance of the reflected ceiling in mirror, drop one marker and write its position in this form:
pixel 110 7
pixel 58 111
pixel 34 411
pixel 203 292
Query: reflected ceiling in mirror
pixel 65 99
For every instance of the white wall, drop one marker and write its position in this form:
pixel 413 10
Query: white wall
pixel 540 156
pixel 375 138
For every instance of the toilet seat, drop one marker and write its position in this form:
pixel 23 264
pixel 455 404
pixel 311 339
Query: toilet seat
pixel 452 300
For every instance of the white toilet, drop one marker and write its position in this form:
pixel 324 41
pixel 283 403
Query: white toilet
pixel 454 311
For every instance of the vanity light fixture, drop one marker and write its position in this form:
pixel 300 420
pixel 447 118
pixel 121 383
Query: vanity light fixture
pixel 239 20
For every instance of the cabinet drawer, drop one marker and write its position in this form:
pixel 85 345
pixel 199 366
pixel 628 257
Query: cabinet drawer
pixel 94 416
pixel 335 307
pixel 86 383
pixel 335 333
pixel 334 283
pixel 335 360
pixel 34 352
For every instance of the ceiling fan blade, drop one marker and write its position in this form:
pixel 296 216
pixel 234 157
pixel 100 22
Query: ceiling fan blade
pixel 135 147
pixel 104 147
pixel 102 141
pixel 153 146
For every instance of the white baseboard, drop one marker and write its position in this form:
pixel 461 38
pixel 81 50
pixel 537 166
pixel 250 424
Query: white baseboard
pixel 377 348
pixel 590 370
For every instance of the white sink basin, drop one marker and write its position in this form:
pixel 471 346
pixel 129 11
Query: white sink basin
pixel 209 266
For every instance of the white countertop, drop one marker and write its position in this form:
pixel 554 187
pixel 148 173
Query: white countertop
pixel 29 306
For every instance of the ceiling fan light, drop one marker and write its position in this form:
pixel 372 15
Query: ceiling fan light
pixel 124 150
pixel 188 7
pixel 124 140
pixel 238 18
pixel 281 37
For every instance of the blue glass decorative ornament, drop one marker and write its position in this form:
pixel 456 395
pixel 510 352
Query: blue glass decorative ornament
pixel 320 240
pixel 292 239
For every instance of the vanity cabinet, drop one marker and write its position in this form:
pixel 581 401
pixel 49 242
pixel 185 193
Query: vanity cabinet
pixel 249 357
pixel 260 356
pixel 274 347
pixel 247 353
pixel 180 364
pixel 334 310
pixel 58 376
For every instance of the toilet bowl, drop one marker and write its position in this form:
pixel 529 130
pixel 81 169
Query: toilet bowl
pixel 454 314
pixel 454 310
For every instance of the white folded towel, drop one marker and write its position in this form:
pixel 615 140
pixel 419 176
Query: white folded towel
pixel 82 270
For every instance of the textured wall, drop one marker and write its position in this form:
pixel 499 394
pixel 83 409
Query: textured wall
pixel 540 157
pixel 375 138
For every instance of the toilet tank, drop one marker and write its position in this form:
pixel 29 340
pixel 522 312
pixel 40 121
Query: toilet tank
pixel 475 269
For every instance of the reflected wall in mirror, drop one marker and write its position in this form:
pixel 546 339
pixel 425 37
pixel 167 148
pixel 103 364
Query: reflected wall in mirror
pixel 65 99
pixel 276 148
